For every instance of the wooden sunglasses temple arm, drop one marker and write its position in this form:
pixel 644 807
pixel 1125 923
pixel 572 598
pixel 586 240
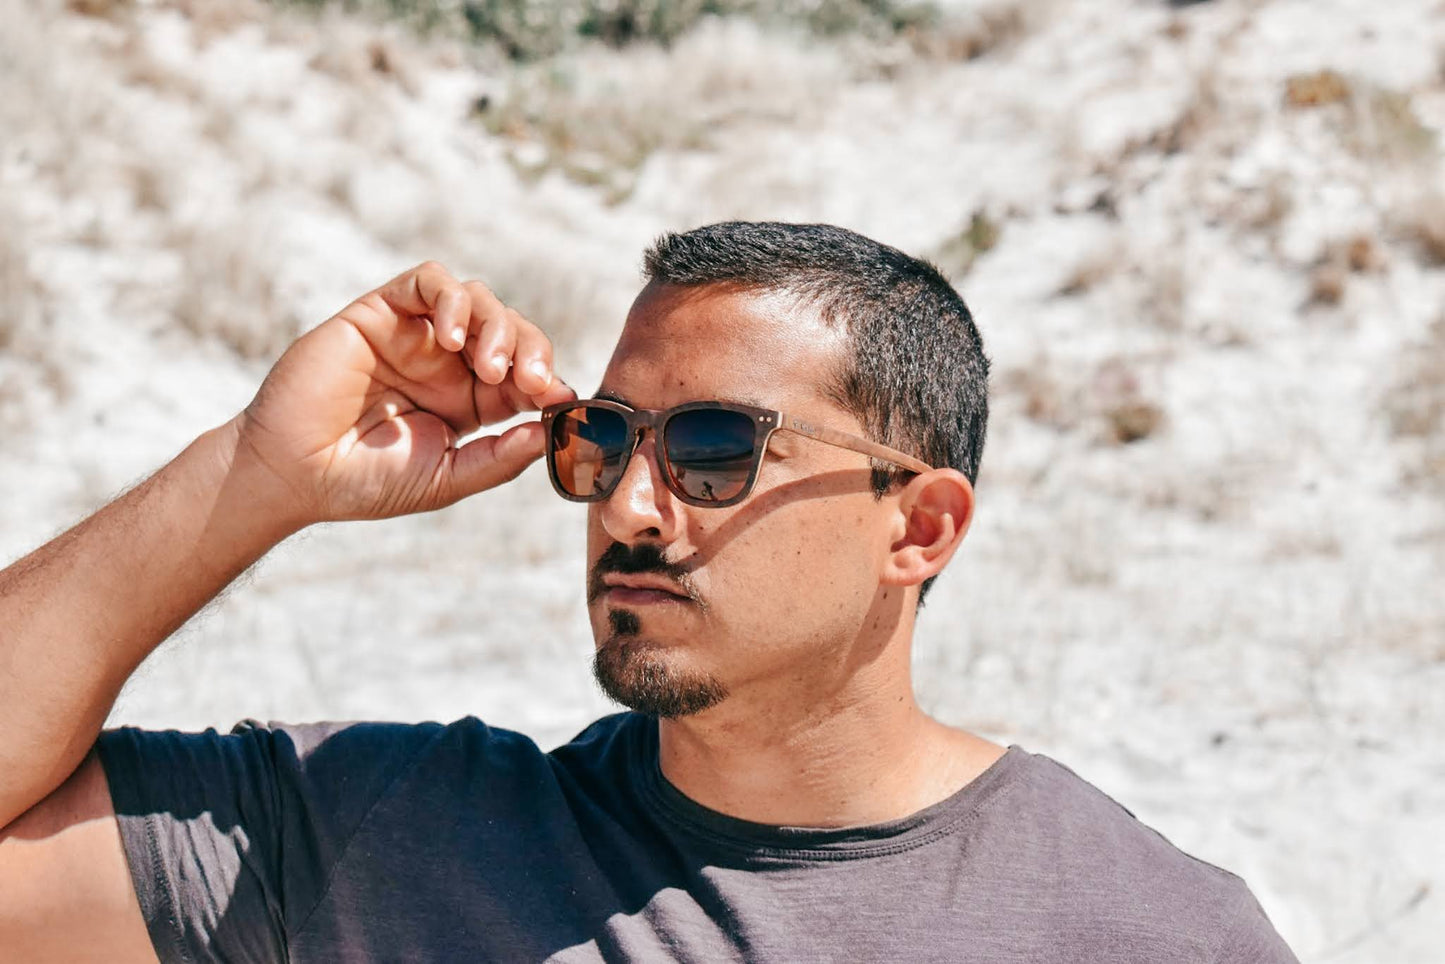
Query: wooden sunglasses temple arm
pixel 847 441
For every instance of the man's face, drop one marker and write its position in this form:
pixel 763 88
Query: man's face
pixel 768 597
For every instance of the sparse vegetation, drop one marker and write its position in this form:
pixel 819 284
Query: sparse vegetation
pixel 598 115
pixel 31 361
pixel 1098 265
pixel 1041 396
pixel 1183 462
pixel 529 30
pixel 1116 394
pixel 1384 126
pixel 232 290
pixel 1415 407
pixel 1166 290
pixel 1110 398
pixel 1376 122
pixel 1330 276
pixel 980 236
pixel 1316 90
pixel 1422 222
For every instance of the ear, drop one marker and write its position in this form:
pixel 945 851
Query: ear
pixel 934 509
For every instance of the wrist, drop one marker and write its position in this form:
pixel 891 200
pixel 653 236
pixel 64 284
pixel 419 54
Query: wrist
pixel 250 499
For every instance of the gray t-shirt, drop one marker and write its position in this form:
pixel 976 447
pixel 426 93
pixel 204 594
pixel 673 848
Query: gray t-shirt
pixel 390 842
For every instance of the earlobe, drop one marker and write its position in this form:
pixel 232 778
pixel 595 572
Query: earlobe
pixel 936 508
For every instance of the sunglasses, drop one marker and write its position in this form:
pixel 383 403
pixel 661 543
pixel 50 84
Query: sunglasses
pixel 709 452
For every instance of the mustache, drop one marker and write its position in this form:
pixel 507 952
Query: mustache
pixel 628 560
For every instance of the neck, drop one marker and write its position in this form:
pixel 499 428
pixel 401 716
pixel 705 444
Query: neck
pixel 865 754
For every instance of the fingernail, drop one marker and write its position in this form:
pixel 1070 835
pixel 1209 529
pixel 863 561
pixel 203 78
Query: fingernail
pixel 499 362
pixel 459 335
pixel 539 368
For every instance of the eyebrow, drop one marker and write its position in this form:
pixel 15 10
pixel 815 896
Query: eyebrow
pixel 607 396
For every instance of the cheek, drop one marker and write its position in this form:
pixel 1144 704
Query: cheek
pixel 794 560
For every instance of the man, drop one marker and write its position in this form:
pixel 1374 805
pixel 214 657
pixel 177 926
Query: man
pixel 777 464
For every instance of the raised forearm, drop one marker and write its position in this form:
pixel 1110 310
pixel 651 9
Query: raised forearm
pixel 78 615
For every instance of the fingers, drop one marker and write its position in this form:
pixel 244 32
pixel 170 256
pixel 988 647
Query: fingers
pixel 532 364
pixel 508 360
pixel 488 462
pixel 558 391
pixel 506 400
pixel 428 290
pixel 503 341
pixel 491 334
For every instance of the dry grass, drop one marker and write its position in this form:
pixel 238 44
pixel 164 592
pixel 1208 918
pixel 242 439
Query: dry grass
pixel 1414 407
pixel 956 256
pixel 1094 268
pixel 32 352
pixel 532 31
pixel 1376 123
pixel 1330 276
pixel 1117 397
pixel 231 288
pixel 1108 402
pixel 967 34
pixel 1164 303
pixel 1040 392
pixel 1383 127
pixel 366 56
pixel 32 359
pixel 596 116
pixel 1267 208
pixel 99 8
pixel 1421 219
pixel 1328 283
pixel 1316 89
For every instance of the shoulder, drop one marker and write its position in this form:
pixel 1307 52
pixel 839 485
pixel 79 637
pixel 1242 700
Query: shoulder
pixel 1108 864
pixel 1101 833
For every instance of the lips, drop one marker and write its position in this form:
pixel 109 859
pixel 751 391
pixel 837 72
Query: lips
pixel 641 589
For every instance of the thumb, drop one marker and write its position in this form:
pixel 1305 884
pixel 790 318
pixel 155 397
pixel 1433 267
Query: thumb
pixel 487 462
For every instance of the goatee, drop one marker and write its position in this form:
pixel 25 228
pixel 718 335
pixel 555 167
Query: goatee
pixel 634 672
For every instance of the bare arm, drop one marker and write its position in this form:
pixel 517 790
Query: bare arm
pixel 82 612
pixel 361 418
pixel 65 890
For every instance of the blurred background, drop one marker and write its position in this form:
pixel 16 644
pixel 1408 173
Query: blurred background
pixel 1204 243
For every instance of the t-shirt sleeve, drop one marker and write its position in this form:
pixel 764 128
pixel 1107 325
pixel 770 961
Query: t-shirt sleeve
pixel 1251 938
pixel 231 838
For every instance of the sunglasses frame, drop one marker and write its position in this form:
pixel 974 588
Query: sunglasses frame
pixel 765 421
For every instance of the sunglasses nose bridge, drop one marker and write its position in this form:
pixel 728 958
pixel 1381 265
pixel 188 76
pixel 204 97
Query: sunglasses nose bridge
pixel 638 426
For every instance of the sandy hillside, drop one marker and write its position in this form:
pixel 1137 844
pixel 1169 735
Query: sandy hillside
pixel 1204 245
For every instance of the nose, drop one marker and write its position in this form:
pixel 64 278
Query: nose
pixel 642 507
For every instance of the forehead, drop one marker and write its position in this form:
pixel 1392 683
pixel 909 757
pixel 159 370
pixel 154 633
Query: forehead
pixel 714 342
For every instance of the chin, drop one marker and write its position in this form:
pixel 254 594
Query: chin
pixel 640 674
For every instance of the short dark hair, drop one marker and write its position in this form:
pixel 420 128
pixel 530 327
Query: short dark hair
pixel 916 376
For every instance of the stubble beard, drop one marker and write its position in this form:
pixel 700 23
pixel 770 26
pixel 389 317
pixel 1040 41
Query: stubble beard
pixel 637 674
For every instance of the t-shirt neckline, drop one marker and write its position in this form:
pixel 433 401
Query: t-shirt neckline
pixel 749 839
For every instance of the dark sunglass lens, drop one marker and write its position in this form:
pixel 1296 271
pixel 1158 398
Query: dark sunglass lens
pixel 588 446
pixel 710 452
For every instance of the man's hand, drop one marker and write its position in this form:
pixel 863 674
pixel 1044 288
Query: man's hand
pixel 360 418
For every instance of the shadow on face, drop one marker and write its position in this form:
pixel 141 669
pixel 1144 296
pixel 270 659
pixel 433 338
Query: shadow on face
pixel 763 503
